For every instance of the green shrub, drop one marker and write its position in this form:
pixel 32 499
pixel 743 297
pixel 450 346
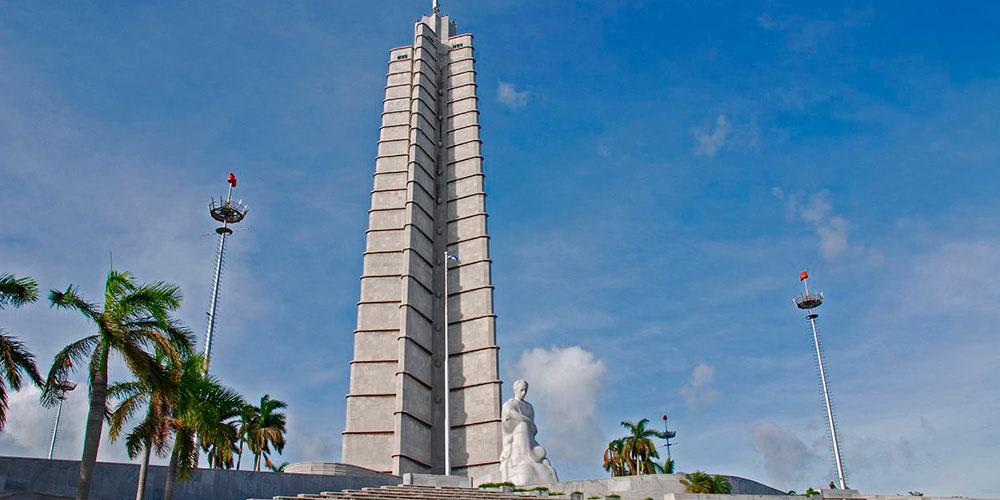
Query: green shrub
pixel 497 485
pixel 528 490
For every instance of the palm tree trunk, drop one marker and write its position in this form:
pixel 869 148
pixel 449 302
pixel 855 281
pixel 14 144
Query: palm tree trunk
pixel 143 468
pixel 95 423
pixel 240 458
pixel 168 490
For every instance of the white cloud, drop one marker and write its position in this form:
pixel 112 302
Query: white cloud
pixel 710 141
pixel 787 459
pixel 817 212
pixel 29 425
pixel 564 386
pixel 508 95
pixel 700 391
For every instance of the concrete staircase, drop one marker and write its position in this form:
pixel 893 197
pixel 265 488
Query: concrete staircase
pixel 410 492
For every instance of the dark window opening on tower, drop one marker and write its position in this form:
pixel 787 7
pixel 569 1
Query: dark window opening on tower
pixel 458 45
pixel 404 56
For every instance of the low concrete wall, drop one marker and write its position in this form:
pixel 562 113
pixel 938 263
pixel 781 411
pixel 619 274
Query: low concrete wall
pixel 656 486
pixel 700 496
pixel 115 481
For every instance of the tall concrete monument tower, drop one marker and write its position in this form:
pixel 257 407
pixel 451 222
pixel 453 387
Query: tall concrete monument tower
pixel 427 217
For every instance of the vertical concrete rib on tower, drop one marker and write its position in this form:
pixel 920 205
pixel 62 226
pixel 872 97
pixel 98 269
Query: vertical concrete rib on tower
pixel 428 197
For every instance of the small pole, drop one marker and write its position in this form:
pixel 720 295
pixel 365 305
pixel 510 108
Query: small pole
pixel 63 389
pixel 55 428
pixel 666 432
pixel 448 258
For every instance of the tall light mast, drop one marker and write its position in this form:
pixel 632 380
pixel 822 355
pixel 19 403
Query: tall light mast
pixel 227 212
pixel 808 302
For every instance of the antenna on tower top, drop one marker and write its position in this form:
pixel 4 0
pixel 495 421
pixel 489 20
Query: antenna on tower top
pixel 436 7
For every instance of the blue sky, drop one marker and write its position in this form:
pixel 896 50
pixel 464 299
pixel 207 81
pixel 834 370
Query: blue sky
pixel 658 174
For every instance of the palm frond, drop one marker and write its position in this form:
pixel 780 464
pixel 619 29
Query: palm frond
pixel 154 300
pixel 70 299
pixel 62 366
pixel 14 359
pixel 117 285
pixel 143 364
pixel 122 390
pixel 16 291
pixel 120 415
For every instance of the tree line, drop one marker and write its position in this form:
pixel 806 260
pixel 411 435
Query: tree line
pixel 171 406
pixel 635 454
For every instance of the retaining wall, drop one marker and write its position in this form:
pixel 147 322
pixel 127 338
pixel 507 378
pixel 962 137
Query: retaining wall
pixel 117 481
pixel 655 486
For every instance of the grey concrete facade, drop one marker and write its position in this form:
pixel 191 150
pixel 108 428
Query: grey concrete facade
pixel 428 198
pixel 22 477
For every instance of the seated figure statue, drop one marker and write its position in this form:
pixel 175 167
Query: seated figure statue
pixel 522 460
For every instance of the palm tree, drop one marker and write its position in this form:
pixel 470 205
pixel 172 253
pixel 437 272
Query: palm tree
pixel 220 448
pixel 153 432
pixel 275 468
pixel 267 428
pixel 14 357
pixel 133 320
pixel 247 417
pixel 204 408
pixel 614 461
pixel 666 468
pixel 721 485
pixel 639 448
pixel 700 482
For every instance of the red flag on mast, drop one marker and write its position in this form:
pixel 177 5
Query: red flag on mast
pixel 803 276
pixel 232 179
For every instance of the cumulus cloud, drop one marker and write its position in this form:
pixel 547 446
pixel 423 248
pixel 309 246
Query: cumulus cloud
pixel 700 392
pixel 787 459
pixel 508 95
pixel 564 386
pixel 817 212
pixel 29 425
pixel 709 141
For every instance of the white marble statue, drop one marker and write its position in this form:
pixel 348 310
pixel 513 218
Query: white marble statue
pixel 522 460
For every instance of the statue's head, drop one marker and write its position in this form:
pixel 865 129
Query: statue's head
pixel 520 388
